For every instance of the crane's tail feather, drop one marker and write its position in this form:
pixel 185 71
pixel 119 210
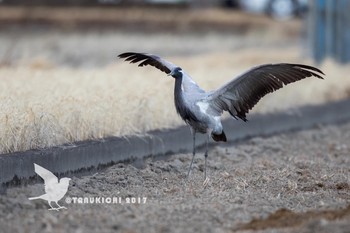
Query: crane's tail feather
pixel 219 137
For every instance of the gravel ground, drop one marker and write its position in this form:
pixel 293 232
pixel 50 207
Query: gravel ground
pixel 297 181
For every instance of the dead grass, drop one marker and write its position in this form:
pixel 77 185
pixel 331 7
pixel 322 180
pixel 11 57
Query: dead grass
pixel 44 106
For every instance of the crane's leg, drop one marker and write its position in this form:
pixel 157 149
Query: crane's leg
pixel 193 154
pixel 205 157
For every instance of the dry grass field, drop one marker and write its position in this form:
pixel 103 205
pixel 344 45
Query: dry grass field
pixel 59 86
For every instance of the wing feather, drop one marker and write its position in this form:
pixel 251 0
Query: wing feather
pixel 241 94
pixel 148 59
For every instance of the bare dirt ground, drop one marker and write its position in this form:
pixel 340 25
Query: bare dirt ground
pixel 293 182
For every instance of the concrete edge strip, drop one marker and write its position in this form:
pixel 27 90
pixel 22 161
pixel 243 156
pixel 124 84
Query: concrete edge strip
pixel 88 154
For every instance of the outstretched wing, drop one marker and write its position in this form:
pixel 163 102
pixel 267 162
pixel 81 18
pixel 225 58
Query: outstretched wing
pixel 241 94
pixel 50 180
pixel 148 59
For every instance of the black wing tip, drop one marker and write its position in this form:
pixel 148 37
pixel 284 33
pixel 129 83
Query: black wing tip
pixel 128 54
pixel 125 55
pixel 145 59
pixel 312 69
pixel 134 57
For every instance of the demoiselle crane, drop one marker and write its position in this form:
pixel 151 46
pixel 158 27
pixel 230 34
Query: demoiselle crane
pixel 202 110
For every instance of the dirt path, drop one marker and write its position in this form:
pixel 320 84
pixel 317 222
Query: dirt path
pixel 249 181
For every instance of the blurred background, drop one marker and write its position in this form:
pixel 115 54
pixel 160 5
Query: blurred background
pixel 61 80
pixel 80 33
pixel 63 32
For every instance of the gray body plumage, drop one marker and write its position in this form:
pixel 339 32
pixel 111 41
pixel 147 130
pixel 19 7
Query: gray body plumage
pixel 190 101
pixel 202 110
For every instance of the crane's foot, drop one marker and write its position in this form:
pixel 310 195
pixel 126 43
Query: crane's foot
pixel 206 182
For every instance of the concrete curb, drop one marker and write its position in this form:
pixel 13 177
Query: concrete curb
pixel 89 154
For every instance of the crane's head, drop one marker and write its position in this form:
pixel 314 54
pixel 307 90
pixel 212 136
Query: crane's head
pixel 176 73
